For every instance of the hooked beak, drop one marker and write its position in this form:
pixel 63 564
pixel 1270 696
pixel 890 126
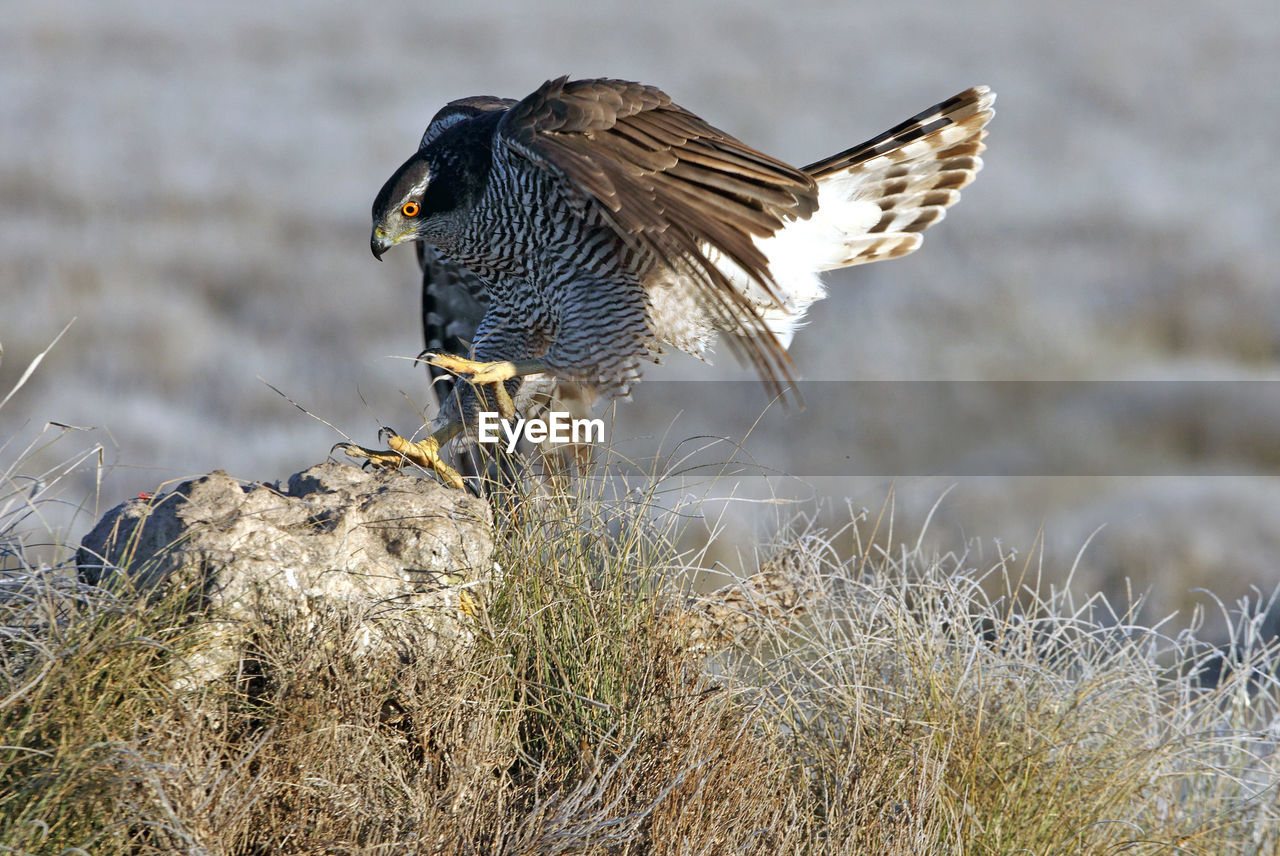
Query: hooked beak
pixel 379 243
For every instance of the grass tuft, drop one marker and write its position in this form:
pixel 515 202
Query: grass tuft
pixel 881 705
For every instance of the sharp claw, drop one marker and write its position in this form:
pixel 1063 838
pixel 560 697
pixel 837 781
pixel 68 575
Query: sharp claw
pixel 448 362
pixel 350 450
pixel 425 453
pixel 378 458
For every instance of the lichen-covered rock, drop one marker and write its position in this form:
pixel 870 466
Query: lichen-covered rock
pixel 335 538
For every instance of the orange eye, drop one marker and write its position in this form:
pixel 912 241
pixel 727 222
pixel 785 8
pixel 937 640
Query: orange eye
pixel 410 209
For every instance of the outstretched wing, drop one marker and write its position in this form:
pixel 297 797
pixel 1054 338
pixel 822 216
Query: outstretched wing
pixel 911 173
pixel 959 121
pixel 671 185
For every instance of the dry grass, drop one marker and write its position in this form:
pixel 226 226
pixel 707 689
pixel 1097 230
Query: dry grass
pixel 880 706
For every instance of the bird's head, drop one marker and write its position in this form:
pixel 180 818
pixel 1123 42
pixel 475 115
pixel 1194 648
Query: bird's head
pixel 429 196
pixel 404 209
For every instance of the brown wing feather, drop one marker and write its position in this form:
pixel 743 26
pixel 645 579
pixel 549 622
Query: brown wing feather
pixel 671 185
pixel 961 118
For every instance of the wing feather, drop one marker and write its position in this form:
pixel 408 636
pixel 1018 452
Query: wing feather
pixel 913 172
pixel 672 186
pixel 961 118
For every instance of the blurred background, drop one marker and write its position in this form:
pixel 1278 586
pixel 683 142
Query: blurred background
pixel 192 183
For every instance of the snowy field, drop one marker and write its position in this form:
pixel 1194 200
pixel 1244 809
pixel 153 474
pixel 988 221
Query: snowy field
pixel 192 182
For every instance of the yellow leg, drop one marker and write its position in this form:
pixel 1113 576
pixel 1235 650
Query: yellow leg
pixel 492 375
pixel 425 453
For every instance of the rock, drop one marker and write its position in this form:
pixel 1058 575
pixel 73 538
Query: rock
pixel 336 538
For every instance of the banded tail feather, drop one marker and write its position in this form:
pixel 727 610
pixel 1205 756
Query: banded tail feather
pixel 874 200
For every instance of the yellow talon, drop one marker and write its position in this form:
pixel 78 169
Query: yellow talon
pixel 425 453
pixel 377 458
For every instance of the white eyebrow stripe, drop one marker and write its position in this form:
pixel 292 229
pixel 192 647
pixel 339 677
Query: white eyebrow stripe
pixel 418 188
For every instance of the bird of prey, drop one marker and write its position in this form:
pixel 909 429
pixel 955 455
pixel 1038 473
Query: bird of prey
pixel 606 222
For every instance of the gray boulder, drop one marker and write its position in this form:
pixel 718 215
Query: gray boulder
pixel 379 546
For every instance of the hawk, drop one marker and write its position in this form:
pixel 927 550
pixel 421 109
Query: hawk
pixel 606 222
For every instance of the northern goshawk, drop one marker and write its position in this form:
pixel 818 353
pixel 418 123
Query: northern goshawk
pixel 604 221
